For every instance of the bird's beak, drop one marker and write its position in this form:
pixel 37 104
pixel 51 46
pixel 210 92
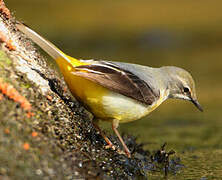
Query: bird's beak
pixel 197 104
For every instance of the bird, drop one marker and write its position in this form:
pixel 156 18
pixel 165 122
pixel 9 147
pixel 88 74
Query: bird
pixel 118 92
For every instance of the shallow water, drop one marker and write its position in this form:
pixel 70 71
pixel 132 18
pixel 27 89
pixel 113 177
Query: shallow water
pixel 185 34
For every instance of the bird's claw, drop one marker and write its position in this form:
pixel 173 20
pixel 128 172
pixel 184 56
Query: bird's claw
pixel 110 146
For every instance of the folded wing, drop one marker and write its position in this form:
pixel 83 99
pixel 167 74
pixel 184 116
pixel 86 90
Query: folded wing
pixel 119 80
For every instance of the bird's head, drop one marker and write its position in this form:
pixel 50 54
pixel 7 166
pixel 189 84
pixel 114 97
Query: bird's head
pixel 181 85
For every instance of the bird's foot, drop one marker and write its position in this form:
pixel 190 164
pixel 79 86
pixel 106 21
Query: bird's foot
pixel 127 153
pixel 110 146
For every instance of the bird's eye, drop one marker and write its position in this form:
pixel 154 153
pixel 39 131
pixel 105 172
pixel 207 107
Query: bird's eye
pixel 186 90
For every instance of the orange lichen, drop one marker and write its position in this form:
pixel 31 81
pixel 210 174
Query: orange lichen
pixel 7 131
pixel 5 39
pixel 9 91
pixel 65 89
pixel 4 10
pixel 49 97
pixel 9 45
pixel 26 146
pixel 34 134
pixel 30 114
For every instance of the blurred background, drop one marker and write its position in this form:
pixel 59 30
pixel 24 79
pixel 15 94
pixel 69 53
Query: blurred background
pixel 155 33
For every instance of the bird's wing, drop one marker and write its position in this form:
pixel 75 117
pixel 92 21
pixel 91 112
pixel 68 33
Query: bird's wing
pixel 119 80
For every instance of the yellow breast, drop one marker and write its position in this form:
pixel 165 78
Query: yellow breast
pixel 83 89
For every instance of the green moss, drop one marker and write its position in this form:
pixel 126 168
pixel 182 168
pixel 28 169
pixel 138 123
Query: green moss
pixel 4 60
pixel 26 86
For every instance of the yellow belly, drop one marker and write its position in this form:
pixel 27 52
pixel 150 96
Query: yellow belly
pixel 89 93
pixel 105 104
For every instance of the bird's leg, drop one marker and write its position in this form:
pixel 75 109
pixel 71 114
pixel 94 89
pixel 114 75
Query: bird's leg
pixel 110 144
pixel 115 125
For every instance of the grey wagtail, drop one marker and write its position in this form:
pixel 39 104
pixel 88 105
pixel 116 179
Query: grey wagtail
pixel 115 91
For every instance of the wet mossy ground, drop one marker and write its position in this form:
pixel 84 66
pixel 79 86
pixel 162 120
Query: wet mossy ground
pixel 59 141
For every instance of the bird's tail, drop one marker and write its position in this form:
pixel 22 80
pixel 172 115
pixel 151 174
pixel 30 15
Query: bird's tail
pixel 47 46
